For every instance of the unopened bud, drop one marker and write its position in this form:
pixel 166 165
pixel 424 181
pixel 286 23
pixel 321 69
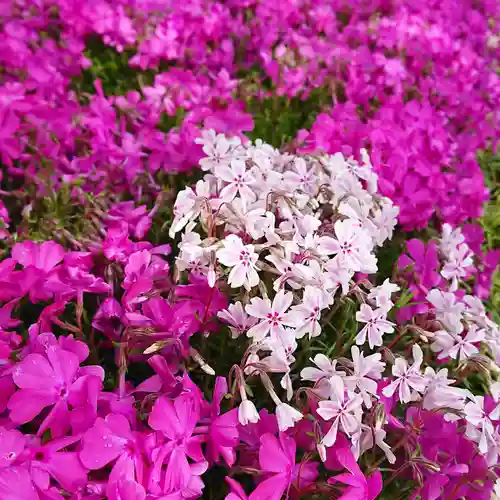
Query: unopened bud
pixel 428 464
pixel 379 416
pixel 157 346
pixel 388 356
pixel 484 364
pixel 201 362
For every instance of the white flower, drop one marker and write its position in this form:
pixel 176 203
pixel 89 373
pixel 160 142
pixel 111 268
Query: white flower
pixel 345 414
pixel 326 369
pixel 238 179
pixel 364 371
pixel 287 416
pixel 327 379
pixel 300 177
pixel 242 259
pixel 479 424
pixel 351 247
pixel 218 148
pixel 450 239
pixel 308 313
pixel 448 311
pixel 367 442
pixel 408 379
pixel 188 205
pixel 385 219
pixel 459 262
pixel 439 394
pixel 381 295
pixel 237 318
pixel 339 276
pixel 453 345
pixel 273 316
pixel 376 326
pixel 247 413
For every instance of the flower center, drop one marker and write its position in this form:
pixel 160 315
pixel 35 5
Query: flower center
pixel 274 318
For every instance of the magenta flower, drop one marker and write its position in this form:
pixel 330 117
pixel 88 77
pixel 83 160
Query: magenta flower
pixel 277 456
pixel 108 318
pixel 40 261
pixel 223 435
pixel 111 439
pixel 176 419
pixel 54 381
pixel 359 487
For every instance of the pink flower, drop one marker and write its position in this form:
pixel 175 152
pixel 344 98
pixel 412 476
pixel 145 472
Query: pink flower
pixel 177 419
pixel 56 381
pixel 359 486
pixel 40 261
pixel 407 378
pixel 273 316
pixel 111 439
pixel 223 435
pixel 239 322
pixel 346 414
pixel 376 325
pixel 276 456
pixel 241 258
pixel 238 181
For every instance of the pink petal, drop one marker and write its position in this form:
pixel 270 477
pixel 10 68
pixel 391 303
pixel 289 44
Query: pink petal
pixel 16 484
pixel 26 404
pixel 100 446
pixel 34 372
pixel 164 418
pixel 271 489
pixel 271 455
pixel 65 363
pixel 67 470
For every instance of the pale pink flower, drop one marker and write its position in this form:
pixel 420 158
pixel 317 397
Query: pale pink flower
pixel 308 313
pixel 219 150
pixel 189 204
pixel 242 259
pixel 376 325
pixel 287 416
pixel 381 295
pixel 247 413
pixel 351 247
pixel 407 378
pixel 346 415
pixel 239 179
pixel 365 370
pixel 273 316
pixel 479 423
pixel 237 319
pixel 453 345
pixel 447 309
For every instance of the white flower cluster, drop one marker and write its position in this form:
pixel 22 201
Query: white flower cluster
pixel 465 323
pixel 458 257
pixel 287 233
pixel 347 390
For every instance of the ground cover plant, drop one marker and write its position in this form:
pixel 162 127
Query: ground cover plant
pixel 249 249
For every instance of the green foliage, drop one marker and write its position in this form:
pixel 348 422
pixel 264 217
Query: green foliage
pixel 112 68
pixel 490 164
pixel 278 119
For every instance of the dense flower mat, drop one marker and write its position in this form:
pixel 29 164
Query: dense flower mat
pixel 243 249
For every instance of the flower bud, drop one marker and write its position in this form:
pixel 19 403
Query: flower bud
pixel 247 413
pixel 379 416
pixel 432 466
pixel 287 416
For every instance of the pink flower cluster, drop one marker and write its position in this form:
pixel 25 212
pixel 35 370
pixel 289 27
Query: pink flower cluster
pixel 414 84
